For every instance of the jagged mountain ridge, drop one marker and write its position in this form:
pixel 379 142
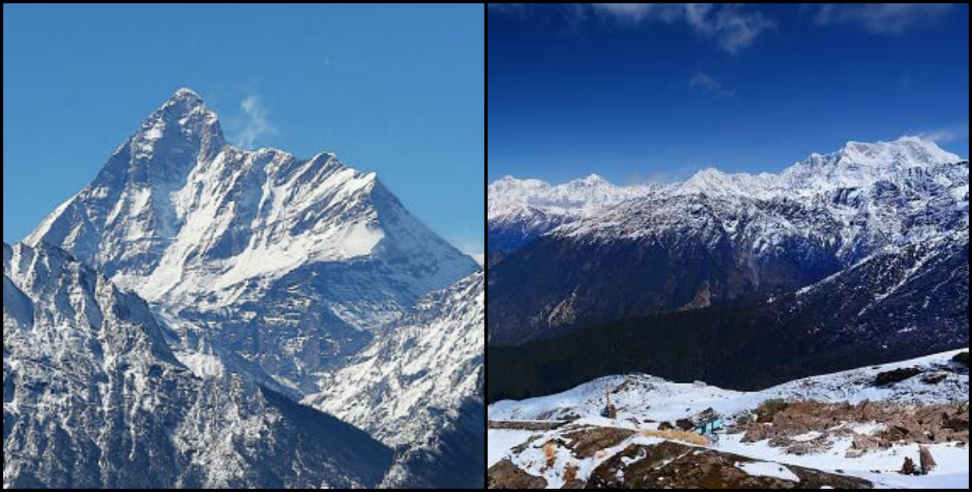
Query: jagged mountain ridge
pixel 909 163
pixel 268 268
pixel 425 377
pixel 720 237
pixel 243 243
pixel 93 397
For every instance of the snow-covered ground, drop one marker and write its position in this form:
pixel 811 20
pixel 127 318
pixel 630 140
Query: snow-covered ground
pixel 639 398
pixel 952 470
pixel 501 441
pixel 652 398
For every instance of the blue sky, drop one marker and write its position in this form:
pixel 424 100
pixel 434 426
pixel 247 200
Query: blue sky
pixel 393 89
pixel 654 93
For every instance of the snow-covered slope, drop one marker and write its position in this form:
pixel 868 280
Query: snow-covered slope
pixel 292 263
pixel 93 397
pixel 650 397
pixel 413 384
pixel 642 402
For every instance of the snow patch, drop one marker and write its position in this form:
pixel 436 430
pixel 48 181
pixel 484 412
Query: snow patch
pixel 767 469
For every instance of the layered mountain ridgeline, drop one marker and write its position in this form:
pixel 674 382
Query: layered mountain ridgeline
pixel 275 269
pixel 94 397
pixel 716 238
pixel 897 303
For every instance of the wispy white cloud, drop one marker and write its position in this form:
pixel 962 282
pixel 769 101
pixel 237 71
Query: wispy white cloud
pixel 706 83
pixel 954 133
pixel 731 26
pixel 884 18
pixel 255 122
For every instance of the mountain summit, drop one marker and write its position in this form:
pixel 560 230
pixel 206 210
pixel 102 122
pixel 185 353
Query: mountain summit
pixel 283 266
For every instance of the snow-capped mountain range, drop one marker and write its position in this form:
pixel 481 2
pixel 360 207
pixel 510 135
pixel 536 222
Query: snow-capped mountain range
pixel 712 239
pixel 265 266
pixel 94 397
pixel 850 177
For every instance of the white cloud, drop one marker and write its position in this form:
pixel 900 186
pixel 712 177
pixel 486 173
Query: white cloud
pixel 886 18
pixel 954 133
pixel 708 84
pixel 255 122
pixel 732 27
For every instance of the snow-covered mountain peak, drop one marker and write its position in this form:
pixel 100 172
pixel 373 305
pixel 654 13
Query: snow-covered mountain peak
pixel 185 92
pixel 260 249
pixel 906 151
pixel 592 180
pixel 861 164
pixel 185 111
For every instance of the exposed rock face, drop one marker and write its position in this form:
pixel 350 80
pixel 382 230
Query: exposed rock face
pixel 506 475
pixel 674 465
pixel 584 443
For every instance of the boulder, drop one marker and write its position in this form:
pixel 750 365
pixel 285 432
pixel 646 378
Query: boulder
pixel 685 424
pixel 908 467
pixel 896 375
pixel 863 442
pixel 925 460
pixel 933 378
pixel 666 425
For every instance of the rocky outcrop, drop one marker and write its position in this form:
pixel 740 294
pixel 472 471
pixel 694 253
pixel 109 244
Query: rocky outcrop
pixel 524 424
pixel 891 377
pixel 674 465
pixel 506 475
pixel 584 443
pixel 912 424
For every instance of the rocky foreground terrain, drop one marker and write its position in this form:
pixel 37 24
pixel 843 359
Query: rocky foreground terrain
pixel 896 425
